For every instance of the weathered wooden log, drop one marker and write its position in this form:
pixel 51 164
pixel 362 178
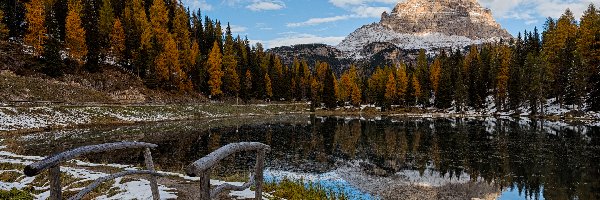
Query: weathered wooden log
pixel 209 161
pixel 205 185
pixel 55 187
pixel 37 167
pixel 99 181
pixel 260 165
pixel 226 186
pixel 150 167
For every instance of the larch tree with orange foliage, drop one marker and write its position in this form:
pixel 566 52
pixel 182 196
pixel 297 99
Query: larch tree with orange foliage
pixel 117 41
pixel 435 74
pixel 75 34
pixel 36 29
pixel 159 20
pixel 215 72
pixel 3 28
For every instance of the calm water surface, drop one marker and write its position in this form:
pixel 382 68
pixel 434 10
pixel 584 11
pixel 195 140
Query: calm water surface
pixel 507 158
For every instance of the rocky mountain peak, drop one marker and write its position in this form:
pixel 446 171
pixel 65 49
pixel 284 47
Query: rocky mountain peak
pixel 451 17
pixel 427 24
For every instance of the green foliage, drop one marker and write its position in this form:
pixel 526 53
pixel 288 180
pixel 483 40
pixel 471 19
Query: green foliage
pixel 15 194
pixel 297 189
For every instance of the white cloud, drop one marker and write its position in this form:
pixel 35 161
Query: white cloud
pixel 369 12
pixel 261 5
pixel 316 21
pixel 514 9
pixel 195 4
pixel 238 29
pixel 346 3
pixel 293 39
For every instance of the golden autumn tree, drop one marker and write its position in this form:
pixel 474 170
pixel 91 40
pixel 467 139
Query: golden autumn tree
pixel 268 86
pixel 390 90
pixel 504 56
pixel 345 86
pixel 588 42
pixel 117 41
pixel 75 34
pixel 214 70
pixel 181 32
pixel 36 29
pixel 416 88
pixel 402 80
pixel 435 74
pixel 356 95
pixel 159 20
pixel 3 28
pixel 248 83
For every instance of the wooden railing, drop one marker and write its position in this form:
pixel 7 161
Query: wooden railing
pixel 52 163
pixel 200 168
pixel 203 167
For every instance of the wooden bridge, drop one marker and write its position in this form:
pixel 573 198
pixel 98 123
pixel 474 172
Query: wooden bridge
pixel 200 168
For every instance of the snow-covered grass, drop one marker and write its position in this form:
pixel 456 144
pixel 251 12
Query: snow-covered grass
pixel 25 118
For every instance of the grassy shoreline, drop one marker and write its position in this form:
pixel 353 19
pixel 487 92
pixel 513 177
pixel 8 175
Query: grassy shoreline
pixel 35 118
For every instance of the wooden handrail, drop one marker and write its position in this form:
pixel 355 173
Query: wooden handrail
pixel 52 163
pixel 203 166
pixel 37 167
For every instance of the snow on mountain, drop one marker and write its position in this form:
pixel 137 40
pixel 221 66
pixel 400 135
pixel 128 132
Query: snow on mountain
pixel 427 24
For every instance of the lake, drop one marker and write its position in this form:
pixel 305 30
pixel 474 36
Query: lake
pixel 383 157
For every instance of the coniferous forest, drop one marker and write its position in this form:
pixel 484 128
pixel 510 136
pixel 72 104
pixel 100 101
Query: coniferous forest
pixel 172 48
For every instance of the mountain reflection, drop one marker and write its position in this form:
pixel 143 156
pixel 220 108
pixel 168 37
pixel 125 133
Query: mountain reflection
pixel 557 160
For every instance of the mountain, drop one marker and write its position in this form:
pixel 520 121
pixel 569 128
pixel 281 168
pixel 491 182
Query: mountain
pixel 427 24
pixel 432 25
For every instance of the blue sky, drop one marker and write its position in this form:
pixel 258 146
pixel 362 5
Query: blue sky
pixel 287 22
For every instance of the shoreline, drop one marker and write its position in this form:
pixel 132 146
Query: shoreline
pixel 30 119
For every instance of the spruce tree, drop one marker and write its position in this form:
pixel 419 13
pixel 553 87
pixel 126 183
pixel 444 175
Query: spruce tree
pixel 390 91
pixel 90 24
pixel 105 24
pixel 329 97
pixel 231 80
pixel 52 47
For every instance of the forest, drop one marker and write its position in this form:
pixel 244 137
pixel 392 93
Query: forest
pixel 172 48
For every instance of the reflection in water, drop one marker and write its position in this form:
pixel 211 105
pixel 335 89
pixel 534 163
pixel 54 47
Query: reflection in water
pixel 523 155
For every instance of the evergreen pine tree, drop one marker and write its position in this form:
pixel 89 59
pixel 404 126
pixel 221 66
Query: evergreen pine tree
pixel 329 97
pixel 231 80
pixel 390 90
pixel 105 24
pixel 90 24
pixel 52 47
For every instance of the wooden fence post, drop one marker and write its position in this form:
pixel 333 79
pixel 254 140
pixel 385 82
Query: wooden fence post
pixel 55 188
pixel 205 185
pixel 150 167
pixel 258 178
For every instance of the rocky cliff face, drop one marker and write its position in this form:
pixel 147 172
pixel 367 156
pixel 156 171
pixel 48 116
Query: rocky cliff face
pixel 427 24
